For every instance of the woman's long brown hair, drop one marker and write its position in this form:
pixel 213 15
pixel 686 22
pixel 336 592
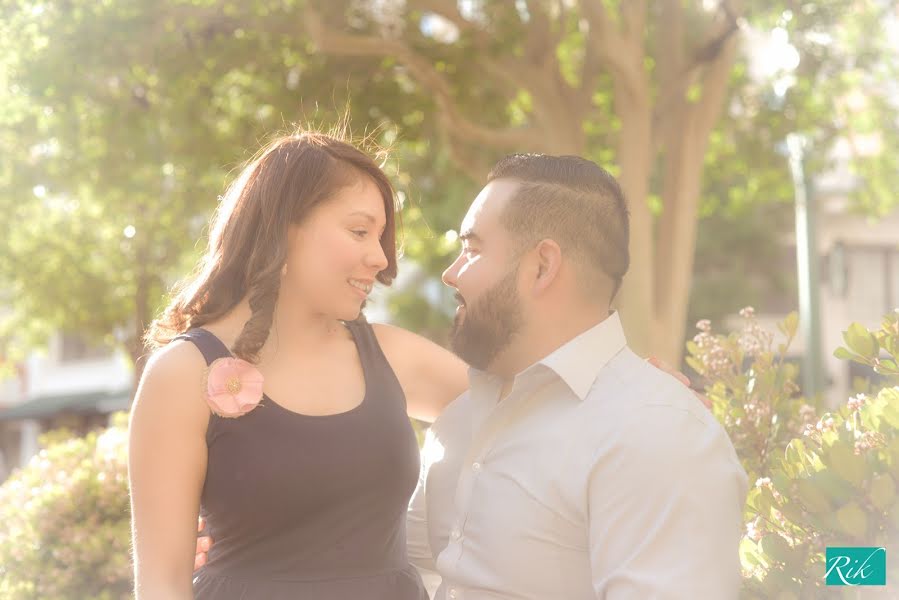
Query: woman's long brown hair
pixel 249 232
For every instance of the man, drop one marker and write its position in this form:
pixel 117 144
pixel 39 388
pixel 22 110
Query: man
pixel 571 468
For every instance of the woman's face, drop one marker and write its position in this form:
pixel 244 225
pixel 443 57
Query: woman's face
pixel 335 254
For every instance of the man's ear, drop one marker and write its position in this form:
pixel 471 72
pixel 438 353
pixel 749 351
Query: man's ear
pixel 549 263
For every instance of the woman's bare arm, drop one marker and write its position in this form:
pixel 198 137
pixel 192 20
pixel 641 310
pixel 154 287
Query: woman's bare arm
pixel 431 375
pixel 166 470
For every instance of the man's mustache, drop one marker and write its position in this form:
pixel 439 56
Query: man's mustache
pixel 459 298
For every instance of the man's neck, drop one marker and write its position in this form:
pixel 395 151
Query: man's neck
pixel 538 341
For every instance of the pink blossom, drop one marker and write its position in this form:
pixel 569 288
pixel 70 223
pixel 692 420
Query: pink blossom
pixel 233 387
pixel 856 402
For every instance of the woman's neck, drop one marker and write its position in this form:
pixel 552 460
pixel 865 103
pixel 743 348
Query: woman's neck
pixel 294 328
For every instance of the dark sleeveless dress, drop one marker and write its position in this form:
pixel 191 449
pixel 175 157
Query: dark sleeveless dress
pixel 311 507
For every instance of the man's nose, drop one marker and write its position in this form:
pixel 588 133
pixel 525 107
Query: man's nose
pixel 449 276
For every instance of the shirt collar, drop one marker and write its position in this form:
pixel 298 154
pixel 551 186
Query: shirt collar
pixel 579 361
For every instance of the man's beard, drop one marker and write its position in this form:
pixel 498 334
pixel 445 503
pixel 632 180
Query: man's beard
pixel 489 324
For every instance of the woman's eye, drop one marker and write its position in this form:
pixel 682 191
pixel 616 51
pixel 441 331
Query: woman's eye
pixel 360 233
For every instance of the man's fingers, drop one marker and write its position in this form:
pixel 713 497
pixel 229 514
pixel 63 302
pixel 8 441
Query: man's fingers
pixel 201 524
pixel 199 561
pixel 203 544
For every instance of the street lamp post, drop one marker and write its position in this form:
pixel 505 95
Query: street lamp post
pixel 807 268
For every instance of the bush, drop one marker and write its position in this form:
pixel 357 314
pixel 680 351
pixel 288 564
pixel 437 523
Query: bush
pixel 65 521
pixel 819 481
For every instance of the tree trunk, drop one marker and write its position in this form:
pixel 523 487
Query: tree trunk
pixel 635 160
pixel 676 247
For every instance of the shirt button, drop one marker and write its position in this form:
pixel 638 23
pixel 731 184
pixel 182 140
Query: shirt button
pixel 456 534
pixel 476 467
pixel 452 593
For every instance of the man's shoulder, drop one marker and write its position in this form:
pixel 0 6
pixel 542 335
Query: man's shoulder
pixel 631 385
pixel 632 404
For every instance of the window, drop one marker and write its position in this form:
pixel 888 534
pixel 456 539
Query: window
pixel 74 347
pixel 873 274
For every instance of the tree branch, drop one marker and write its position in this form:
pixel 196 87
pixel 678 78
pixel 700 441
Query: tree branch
pixel 476 169
pixel 337 42
pixel 633 14
pixel 715 54
pixel 449 10
pixel 540 43
pixel 612 49
pixel 714 86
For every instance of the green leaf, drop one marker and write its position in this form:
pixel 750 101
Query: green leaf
pixel 778 581
pixel 789 325
pixel 882 491
pixel 813 497
pixel 843 354
pixel 861 341
pixel 853 520
pixel 749 554
pixel 792 511
pixel 836 489
pixel 777 548
pixel 847 464
pixel 891 414
pixel 781 481
pixel 886 367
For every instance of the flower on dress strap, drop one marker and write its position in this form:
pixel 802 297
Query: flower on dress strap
pixel 233 387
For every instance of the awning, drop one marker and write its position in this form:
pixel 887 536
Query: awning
pixel 79 404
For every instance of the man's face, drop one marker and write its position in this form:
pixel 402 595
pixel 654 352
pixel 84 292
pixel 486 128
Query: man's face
pixel 485 277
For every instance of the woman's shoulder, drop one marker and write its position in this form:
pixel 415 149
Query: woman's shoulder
pixel 173 380
pixel 179 358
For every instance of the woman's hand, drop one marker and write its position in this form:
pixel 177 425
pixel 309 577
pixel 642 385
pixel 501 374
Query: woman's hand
pixel 662 365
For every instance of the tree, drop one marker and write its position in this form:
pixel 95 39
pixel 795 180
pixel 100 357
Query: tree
pixel 638 85
pixel 656 91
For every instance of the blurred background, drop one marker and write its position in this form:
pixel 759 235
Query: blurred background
pixel 757 143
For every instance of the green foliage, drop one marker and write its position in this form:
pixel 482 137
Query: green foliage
pixel 752 388
pixel 819 481
pixel 127 114
pixel 65 521
pixel 877 349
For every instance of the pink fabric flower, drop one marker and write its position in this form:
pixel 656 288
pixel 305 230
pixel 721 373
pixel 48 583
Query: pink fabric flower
pixel 233 387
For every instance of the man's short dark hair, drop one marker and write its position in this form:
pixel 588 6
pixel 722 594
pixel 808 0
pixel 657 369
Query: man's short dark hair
pixel 575 202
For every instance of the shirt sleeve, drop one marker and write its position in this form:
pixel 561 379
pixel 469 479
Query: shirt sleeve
pixel 418 546
pixel 665 503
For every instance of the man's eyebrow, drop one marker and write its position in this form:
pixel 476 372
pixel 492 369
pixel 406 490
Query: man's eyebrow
pixel 470 236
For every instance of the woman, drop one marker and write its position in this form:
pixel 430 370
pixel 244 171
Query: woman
pixel 305 491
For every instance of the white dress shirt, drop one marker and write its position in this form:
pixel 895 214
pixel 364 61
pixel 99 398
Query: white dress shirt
pixel 598 476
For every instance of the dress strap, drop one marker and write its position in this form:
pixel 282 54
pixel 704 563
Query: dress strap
pixel 211 346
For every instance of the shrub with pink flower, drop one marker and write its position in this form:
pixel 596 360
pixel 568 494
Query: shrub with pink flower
pixel 820 480
pixel 752 387
pixel 65 521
